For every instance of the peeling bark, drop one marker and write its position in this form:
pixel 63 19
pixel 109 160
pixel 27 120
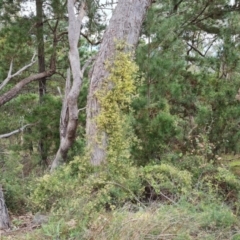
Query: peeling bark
pixel 69 115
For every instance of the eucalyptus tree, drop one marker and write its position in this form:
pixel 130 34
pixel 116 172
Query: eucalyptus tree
pixel 125 25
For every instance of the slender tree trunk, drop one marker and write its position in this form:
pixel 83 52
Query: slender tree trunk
pixel 41 68
pixel 69 114
pixel 4 217
pixel 40 42
pixel 125 25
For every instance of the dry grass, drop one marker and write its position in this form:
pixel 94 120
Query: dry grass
pixel 156 222
pixel 166 223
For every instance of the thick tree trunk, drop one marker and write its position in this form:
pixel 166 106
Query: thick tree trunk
pixel 125 25
pixel 4 217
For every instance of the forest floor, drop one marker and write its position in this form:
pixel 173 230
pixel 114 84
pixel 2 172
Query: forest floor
pixel 20 226
pixel 197 215
pixel 156 222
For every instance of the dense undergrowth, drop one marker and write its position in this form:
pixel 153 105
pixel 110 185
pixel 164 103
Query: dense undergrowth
pixel 192 199
pixel 183 194
pixel 171 120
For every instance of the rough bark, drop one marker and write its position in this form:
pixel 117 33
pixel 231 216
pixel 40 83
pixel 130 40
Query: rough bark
pixel 69 115
pixel 41 68
pixel 4 217
pixel 40 48
pixel 125 25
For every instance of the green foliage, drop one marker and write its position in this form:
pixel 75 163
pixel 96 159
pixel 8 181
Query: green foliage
pixel 156 221
pixel 166 178
pixel 198 90
pixel 115 97
pixel 224 183
pixel 106 197
pixel 217 216
pixel 164 144
pixel 46 118
pixel 13 182
pixel 98 188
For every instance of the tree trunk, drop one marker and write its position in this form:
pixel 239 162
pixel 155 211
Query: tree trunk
pixel 40 42
pixel 4 217
pixel 125 25
pixel 65 142
pixel 69 114
pixel 41 68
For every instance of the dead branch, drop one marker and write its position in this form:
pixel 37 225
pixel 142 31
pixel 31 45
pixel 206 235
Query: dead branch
pixel 7 135
pixel 88 62
pixel 90 41
pixel 10 75
pixel 6 97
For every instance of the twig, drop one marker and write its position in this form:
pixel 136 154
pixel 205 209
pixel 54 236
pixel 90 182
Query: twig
pixel 87 63
pixel 6 135
pixel 81 109
pixel 90 41
pixel 169 199
pixel 128 190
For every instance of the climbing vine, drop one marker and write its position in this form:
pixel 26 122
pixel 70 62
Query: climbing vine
pixel 115 98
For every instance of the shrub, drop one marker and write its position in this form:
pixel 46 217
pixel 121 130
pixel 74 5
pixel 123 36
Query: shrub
pixel 165 179
pixel 13 182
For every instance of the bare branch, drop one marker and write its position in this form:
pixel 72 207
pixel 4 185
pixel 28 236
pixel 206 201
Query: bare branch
pixel 214 40
pixel 59 91
pixel 81 109
pixel 195 49
pixel 7 135
pixel 90 41
pixel 60 35
pixel 10 76
pixel 18 87
pixel 88 62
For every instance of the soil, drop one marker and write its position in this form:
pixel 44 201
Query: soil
pixel 20 226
